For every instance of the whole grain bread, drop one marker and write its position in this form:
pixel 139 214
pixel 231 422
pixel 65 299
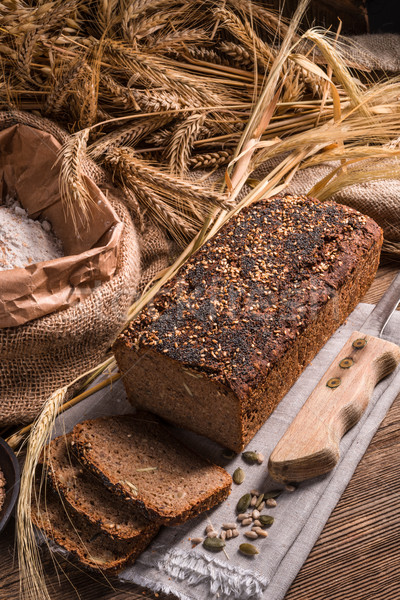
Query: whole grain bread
pixel 138 458
pixel 85 542
pixel 223 341
pixel 85 494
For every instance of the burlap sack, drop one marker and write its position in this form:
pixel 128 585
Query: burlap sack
pixel 40 356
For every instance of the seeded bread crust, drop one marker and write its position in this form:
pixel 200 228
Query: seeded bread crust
pixel 87 496
pixel 222 342
pixel 165 481
pixel 85 543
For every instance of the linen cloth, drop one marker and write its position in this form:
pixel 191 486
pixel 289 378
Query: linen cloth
pixel 170 564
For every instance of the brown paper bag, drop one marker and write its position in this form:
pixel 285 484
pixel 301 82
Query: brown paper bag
pixel 29 169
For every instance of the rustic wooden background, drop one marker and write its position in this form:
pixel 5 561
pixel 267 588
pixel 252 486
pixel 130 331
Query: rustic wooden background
pixel 357 556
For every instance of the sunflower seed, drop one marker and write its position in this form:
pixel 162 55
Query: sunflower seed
pixel 266 520
pixel 260 458
pixel 290 488
pixel 214 544
pixel 228 454
pixel 212 534
pixel 247 522
pixel 251 535
pixel 253 501
pixel 228 534
pixel 243 503
pixel 235 533
pixel 209 528
pixel 254 492
pixel 271 502
pixel 243 516
pixel 238 476
pixel 248 549
pixel 260 532
pixel 229 526
pixel 222 535
pixel 198 540
pixel 255 514
pixel 257 523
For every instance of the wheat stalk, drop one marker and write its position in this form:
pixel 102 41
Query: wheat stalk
pixel 31 571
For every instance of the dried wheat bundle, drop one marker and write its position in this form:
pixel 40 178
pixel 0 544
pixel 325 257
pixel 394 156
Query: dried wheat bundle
pixel 175 80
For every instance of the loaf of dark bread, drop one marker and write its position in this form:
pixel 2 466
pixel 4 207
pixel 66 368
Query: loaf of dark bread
pixel 222 343
pixel 85 494
pixel 138 458
pixel 85 542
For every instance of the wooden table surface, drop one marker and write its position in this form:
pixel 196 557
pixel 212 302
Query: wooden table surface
pixel 357 556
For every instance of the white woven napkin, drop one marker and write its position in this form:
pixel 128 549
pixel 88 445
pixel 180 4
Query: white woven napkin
pixel 171 565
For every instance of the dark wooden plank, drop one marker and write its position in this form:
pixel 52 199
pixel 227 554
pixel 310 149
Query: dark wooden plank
pixel 356 557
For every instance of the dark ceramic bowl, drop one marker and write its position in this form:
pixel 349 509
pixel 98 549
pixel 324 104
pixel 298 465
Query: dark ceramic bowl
pixel 10 467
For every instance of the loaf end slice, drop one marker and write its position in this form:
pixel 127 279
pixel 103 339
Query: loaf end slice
pixel 85 494
pixel 137 457
pixel 83 541
pixel 223 341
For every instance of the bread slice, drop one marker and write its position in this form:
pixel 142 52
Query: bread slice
pixel 87 496
pixel 138 458
pixel 84 541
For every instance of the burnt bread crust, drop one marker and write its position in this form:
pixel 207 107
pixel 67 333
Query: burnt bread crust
pixel 224 340
pixel 85 495
pixel 137 458
pixel 84 542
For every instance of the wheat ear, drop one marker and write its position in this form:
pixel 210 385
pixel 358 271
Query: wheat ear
pixel 72 184
pixel 32 581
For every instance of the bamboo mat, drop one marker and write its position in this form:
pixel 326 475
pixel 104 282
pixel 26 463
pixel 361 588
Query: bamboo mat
pixel 356 557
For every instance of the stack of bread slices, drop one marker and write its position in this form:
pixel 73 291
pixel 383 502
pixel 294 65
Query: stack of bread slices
pixel 114 481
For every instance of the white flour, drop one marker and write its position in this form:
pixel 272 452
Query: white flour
pixel 24 241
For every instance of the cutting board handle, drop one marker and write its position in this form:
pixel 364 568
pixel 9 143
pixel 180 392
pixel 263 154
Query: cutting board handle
pixel 310 446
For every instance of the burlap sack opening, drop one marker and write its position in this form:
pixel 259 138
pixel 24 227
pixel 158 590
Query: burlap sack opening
pixel 44 354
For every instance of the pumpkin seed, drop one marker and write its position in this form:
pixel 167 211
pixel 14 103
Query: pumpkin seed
pixel 259 500
pixel 272 494
pixel 266 520
pixel 250 457
pixel 214 544
pixel 248 549
pixel 238 476
pixel 243 503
